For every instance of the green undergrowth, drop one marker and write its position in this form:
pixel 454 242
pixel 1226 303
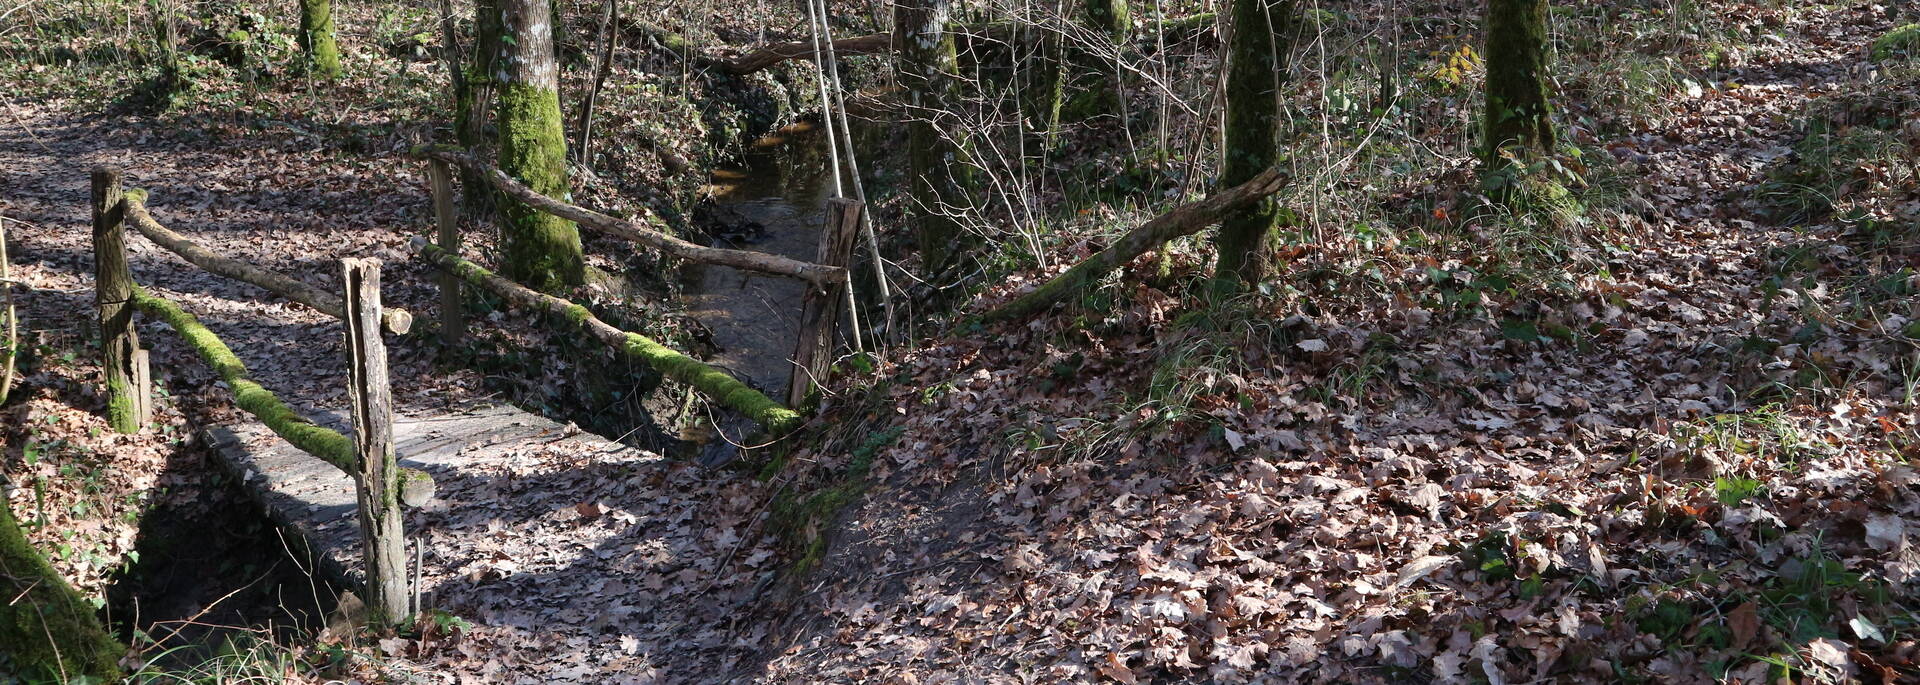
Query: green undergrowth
pixel 1852 152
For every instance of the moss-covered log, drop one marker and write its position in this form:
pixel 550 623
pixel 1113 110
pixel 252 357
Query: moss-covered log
pixel 316 37
pixel 46 627
pixel 746 260
pixel 323 443
pixel 541 249
pixel 1183 220
pixel 394 320
pixel 714 383
pixel 1519 115
pixel 1261 43
pixel 937 156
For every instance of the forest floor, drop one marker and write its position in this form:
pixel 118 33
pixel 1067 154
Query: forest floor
pixel 1693 462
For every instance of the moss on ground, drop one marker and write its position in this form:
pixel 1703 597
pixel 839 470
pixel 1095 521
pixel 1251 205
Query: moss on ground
pixel 1903 42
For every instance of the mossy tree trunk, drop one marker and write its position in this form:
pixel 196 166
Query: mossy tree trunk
pixel 1111 20
pixel 316 37
pixel 46 627
pixel 542 250
pixel 937 156
pixel 1519 116
pixel 1259 48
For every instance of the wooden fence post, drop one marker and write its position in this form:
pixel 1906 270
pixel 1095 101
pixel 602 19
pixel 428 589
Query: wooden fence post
pixel 378 477
pixel 113 295
pixel 453 318
pixel 820 309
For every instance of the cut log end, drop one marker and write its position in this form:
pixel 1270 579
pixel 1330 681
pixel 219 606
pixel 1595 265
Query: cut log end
pixel 416 488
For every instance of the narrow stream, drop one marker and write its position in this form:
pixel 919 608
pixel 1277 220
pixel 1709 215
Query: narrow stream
pixel 774 202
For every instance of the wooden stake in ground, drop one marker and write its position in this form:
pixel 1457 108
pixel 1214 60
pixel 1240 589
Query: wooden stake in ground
pixel 113 289
pixel 820 308
pixel 453 315
pixel 378 476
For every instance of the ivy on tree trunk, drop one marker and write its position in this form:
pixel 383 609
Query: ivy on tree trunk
pixel 1262 39
pixel 542 250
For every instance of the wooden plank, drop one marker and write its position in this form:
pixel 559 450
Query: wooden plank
pixel 316 502
pixel 382 537
pixel 820 308
pixel 113 290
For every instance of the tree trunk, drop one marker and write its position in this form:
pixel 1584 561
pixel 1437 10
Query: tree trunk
pixel 316 36
pixel 1519 116
pixel 542 250
pixel 937 155
pixel 48 629
pixel 1111 20
pixel 1262 39
pixel 474 105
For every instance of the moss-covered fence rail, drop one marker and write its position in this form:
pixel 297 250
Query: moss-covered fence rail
pixel 367 456
pixel 723 388
pixel 827 277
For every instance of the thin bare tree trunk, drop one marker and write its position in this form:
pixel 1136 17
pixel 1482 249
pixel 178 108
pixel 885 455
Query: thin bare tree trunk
pixel 583 149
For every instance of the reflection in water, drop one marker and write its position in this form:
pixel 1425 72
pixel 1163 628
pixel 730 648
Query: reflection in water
pixel 774 203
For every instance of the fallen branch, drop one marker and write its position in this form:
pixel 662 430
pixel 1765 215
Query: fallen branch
pixel 870 44
pixel 713 382
pixel 396 321
pixel 323 443
pixel 758 262
pixel 1183 220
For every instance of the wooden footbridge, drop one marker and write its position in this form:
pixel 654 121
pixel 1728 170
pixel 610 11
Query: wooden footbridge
pixel 340 480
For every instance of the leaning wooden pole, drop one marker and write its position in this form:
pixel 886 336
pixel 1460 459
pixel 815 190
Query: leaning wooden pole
pixel 820 309
pixel 1183 220
pixel 395 320
pixel 745 260
pixel 714 383
pixel 377 476
pixel 113 289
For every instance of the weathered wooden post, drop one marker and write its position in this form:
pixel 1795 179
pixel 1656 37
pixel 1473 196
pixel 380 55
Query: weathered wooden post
pixel 820 308
pixel 113 295
pixel 453 319
pixel 378 477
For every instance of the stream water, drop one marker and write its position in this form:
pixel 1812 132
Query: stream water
pixel 775 201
